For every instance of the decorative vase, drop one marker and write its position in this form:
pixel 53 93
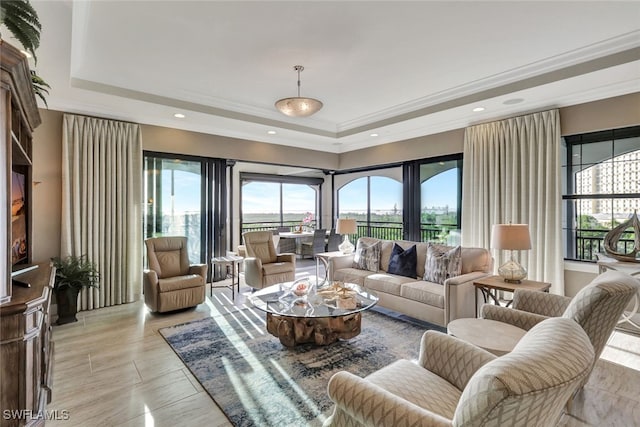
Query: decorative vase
pixel 67 305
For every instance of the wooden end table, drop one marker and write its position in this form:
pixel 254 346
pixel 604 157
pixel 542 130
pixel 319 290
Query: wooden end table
pixel 490 286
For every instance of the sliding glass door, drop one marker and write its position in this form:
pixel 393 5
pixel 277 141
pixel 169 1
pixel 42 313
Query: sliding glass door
pixel 182 197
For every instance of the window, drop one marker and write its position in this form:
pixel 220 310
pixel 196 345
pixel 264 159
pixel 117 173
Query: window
pixel 271 201
pixel 376 203
pixel 601 189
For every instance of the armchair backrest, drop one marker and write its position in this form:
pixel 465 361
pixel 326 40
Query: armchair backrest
pixel 531 385
pixel 168 256
pixel 598 306
pixel 260 245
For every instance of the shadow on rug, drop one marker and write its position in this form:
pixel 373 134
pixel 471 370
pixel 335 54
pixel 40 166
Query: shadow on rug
pixel 258 382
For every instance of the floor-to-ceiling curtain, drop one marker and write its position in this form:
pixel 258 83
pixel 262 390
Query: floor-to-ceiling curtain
pixel 101 205
pixel 511 173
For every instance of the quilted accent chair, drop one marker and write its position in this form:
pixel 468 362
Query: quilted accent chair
pixel 263 266
pixel 171 283
pixel 455 383
pixel 597 307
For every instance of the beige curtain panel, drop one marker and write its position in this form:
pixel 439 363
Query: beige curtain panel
pixel 511 173
pixel 101 205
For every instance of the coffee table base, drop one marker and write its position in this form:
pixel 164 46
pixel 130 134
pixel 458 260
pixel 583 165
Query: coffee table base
pixel 321 331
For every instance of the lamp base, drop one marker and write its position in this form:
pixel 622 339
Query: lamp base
pixel 346 247
pixel 512 272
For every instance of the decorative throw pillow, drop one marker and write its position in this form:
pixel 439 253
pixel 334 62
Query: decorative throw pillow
pixel 367 256
pixel 403 261
pixel 442 263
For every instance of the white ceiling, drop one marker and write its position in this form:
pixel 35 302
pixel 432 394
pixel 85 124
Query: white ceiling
pixel 398 69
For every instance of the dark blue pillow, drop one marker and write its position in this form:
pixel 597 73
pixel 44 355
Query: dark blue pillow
pixel 403 262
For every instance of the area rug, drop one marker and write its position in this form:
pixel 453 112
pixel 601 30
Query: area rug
pixel 258 382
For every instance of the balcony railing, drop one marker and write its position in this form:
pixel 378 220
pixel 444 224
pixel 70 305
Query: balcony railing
pixel 589 242
pixel 271 225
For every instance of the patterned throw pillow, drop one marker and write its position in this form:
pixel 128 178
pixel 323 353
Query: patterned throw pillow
pixel 367 257
pixel 403 262
pixel 442 263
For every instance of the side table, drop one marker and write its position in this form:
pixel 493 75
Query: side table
pixel 490 286
pixel 228 261
pixel 324 257
pixel 632 269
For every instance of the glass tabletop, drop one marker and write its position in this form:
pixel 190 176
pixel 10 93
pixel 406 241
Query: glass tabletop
pixel 303 299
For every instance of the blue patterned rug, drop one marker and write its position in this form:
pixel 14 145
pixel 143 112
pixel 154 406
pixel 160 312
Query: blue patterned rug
pixel 258 382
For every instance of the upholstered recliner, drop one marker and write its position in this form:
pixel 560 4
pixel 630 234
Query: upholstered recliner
pixel 263 266
pixel 455 383
pixel 597 307
pixel 171 283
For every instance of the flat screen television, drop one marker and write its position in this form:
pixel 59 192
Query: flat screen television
pixel 19 219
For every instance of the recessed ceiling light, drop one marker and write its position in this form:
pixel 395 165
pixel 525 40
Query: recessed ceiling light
pixel 478 109
pixel 373 134
pixel 179 116
pixel 272 132
pixel 513 101
pixel 27 54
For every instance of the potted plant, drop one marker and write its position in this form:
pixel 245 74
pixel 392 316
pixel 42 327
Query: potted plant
pixel 72 274
pixel 22 21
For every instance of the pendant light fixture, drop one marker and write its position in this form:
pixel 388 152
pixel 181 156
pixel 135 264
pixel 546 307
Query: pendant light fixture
pixel 298 106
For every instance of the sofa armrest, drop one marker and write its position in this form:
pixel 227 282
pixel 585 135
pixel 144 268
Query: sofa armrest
pixel 286 257
pixel 521 319
pixel 371 405
pixel 464 278
pixel 543 303
pixel 451 358
pixel 252 272
pixel 199 269
pixel 339 262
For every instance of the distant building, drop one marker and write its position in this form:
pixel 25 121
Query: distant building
pixel 614 176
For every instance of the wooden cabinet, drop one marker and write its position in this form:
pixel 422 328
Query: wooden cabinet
pixel 26 351
pixel 19 116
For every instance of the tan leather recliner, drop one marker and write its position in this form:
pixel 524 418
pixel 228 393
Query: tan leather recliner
pixel 263 266
pixel 171 283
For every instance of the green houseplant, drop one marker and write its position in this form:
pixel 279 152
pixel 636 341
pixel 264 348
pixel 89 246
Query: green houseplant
pixel 72 274
pixel 22 21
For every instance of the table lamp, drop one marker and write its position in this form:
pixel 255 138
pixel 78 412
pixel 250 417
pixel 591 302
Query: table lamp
pixel 511 237
pixel 346 226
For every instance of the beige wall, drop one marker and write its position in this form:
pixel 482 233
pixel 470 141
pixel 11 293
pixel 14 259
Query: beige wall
pixel 606 114
pixel 47 190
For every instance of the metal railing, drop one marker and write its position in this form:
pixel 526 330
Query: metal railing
pixel 589 242
pixel 271 225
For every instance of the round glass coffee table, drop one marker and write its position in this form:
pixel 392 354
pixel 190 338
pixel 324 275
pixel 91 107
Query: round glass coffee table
pixel 299 313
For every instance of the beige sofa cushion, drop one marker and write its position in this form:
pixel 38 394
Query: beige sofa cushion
pixel 476 259
pixel 384 282
pixel 425 292
pixel 351 275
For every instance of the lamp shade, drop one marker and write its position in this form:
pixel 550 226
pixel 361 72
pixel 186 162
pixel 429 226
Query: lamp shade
pixel 346 226
pixel 514 237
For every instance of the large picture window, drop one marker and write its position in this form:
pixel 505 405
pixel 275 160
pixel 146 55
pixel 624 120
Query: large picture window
pixel 272 201
pixel 376 203
pixel 602 189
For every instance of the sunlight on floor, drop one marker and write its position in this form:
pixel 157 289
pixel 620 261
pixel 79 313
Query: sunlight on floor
pixel 148 417
pixel 623 349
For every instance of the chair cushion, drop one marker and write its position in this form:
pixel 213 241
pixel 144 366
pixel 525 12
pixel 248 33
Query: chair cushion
pixel 170 263
pixel 403 261
pixel 367 256
pixel 442 263
pixel 277 268
pixel 419 386
pixel 425 292
pixel 180 282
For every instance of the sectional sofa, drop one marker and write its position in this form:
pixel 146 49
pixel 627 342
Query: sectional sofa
pixel 437 303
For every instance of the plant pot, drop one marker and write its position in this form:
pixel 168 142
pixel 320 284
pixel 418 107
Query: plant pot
pixel 67 305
